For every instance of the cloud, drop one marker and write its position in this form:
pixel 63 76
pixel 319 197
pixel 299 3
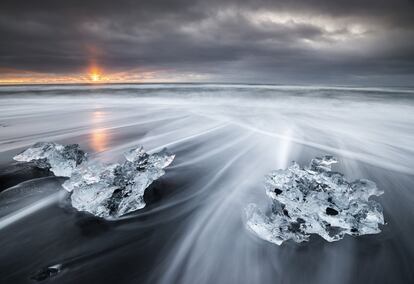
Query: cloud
pixel 245 41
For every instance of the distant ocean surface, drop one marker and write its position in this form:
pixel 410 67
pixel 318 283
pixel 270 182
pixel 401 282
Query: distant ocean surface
pixel 226 138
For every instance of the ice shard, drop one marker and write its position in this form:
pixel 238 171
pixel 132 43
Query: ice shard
pixel 110 191
pixel 59 159
pixel 315 200
pixel 47 272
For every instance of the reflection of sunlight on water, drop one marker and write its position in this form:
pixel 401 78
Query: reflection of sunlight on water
pixel 98 116
pixel 99 139
pixel 99 136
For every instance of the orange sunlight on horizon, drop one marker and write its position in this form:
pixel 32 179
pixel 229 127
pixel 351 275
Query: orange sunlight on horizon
pixel 95 75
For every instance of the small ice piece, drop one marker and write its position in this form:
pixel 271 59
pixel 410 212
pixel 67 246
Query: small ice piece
pixel 59 159
pixel 110 191
pixel 315 200
pixel 47 272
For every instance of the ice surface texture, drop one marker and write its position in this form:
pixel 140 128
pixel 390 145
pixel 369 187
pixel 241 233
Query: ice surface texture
pixel 110 191
pixel 315 200
pixel 59 159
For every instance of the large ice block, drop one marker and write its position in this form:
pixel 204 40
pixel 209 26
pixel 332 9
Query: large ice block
pixel 110 191
pixel 315 200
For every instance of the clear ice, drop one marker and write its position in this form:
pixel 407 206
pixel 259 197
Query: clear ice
pixel 315 200
pixel 47 272
pixel 59 159
pixel 110 191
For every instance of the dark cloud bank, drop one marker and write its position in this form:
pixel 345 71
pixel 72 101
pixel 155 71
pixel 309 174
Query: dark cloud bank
pixel 324 41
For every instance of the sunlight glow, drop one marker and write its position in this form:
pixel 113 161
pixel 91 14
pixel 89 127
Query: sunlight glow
pixel 95 74
pixel 95 77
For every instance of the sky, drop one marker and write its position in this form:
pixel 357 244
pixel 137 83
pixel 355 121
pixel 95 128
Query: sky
pixel 351 42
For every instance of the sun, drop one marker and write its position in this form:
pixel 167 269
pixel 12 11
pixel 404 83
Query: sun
pixel 95 74
pixel 95 77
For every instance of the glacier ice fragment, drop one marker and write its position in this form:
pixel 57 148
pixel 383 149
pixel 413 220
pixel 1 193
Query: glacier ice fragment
pixel 110 191
pixel 59 159
pixel 315 200
pixel 47 272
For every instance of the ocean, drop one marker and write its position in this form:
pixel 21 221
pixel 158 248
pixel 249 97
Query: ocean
pixel 226 138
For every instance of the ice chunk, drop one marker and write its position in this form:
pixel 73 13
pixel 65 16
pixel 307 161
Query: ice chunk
pixel 47 272
pixel 315 200
pixel 59 159
pixel 110 191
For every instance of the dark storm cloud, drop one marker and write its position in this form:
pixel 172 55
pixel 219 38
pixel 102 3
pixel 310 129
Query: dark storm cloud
pixel 254 41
